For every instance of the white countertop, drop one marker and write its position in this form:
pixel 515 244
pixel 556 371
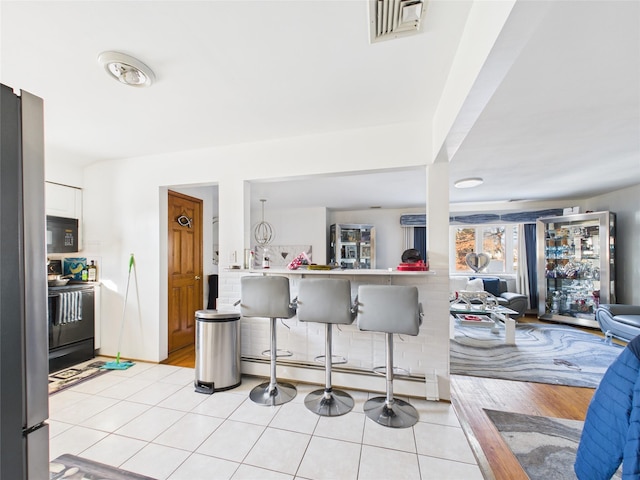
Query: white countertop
pixel 337 271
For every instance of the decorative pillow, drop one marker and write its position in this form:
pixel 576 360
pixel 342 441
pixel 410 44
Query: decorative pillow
pixel 475 285
pixel 492 285
pixel 456 284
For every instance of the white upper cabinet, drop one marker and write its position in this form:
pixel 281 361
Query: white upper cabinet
pixel 63 201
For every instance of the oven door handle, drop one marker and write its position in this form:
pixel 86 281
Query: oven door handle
pixel 57 314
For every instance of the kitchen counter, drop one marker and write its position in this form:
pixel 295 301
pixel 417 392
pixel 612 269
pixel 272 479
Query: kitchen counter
pixel 336 271
pixel 424 357
pixel 72 286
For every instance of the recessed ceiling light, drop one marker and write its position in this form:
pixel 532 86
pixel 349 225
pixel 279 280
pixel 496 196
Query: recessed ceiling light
pixel 126 69
pixel 468 182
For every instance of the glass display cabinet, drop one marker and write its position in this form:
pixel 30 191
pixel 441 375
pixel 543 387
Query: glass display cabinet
pixel 576 266
pixel 352 246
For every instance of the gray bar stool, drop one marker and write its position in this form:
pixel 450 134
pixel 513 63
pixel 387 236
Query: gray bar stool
pixel 268 297
pixel 328 301
pixel 389 309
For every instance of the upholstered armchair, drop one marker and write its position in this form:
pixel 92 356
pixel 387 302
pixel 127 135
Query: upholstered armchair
pixel 620 321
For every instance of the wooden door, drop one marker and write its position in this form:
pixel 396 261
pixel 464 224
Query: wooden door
pixel 184 268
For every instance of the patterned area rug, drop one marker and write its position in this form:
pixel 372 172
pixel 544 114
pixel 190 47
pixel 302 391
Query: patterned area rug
pixel 545 447
pixel 69 377
pixel 70 467
pixel 555 354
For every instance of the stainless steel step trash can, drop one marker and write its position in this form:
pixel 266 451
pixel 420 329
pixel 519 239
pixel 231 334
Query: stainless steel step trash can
pixel 217 350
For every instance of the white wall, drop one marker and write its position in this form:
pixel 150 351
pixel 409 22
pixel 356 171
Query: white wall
pixel 64 173
pixel 625 204
pixel 125 210
pixel 389 233
pixel 508 207
pixel 295 226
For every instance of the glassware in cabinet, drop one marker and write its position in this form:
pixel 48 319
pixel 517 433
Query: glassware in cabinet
pixel 352 246
pixel 576 266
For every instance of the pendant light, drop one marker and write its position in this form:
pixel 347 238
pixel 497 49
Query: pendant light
pixel 263 233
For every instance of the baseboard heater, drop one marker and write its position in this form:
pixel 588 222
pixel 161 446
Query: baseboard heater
pixel 421 386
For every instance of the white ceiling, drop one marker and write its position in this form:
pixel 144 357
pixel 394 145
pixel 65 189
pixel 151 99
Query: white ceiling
pixel 554 114
pixel 565 120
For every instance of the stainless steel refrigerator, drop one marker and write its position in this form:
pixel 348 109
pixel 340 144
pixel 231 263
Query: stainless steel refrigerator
pixel 24 409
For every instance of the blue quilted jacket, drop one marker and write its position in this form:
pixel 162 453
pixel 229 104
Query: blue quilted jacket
pixel 611 432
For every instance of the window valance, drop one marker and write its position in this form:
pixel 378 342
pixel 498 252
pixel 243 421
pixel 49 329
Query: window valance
pixel 512 217
pixel 420 219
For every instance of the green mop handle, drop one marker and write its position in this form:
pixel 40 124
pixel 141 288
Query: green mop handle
pixel 124 307
pixel 135 279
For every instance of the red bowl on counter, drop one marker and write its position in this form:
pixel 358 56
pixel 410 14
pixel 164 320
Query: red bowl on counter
pixel 418 266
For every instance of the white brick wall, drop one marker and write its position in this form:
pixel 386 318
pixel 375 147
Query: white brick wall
pixel 420 355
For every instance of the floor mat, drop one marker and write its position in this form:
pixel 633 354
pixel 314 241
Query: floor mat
pixel 69 377
pixel 554 354
pixel 70 467
pixel 545 447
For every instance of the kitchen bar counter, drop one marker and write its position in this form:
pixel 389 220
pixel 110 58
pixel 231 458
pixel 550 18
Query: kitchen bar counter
pixel 424 357
pixel 335 271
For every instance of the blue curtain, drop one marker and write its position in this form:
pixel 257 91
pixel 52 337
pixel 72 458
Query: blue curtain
pixel 420 241
pixel 532 264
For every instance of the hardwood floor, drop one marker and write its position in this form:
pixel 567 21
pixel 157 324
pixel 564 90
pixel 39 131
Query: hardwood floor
pixel 185 357
pixel 471 395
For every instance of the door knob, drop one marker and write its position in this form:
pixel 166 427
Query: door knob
pixel 197 277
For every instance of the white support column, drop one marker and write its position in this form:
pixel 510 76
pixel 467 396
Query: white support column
pixel 436 308
pixel 233 227
pixel 233 213
pixel 438 216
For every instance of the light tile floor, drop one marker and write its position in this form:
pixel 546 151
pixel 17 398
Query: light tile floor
pixel 149 420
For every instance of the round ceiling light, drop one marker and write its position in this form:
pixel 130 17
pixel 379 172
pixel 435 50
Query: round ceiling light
pixel 126 69
pixel 468 182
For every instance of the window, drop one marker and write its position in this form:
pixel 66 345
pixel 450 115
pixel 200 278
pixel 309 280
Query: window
pixel 493 244
pixel 465 242
pixel 500 242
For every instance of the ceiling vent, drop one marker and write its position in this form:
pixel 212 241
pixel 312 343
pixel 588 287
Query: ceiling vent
pixel 394 18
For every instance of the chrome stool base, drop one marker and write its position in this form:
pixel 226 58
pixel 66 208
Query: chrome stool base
pixel 382 370
pixel 335 359
pixel 265 394
pixel 399 415
pixel 279 353
pixel 332 404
